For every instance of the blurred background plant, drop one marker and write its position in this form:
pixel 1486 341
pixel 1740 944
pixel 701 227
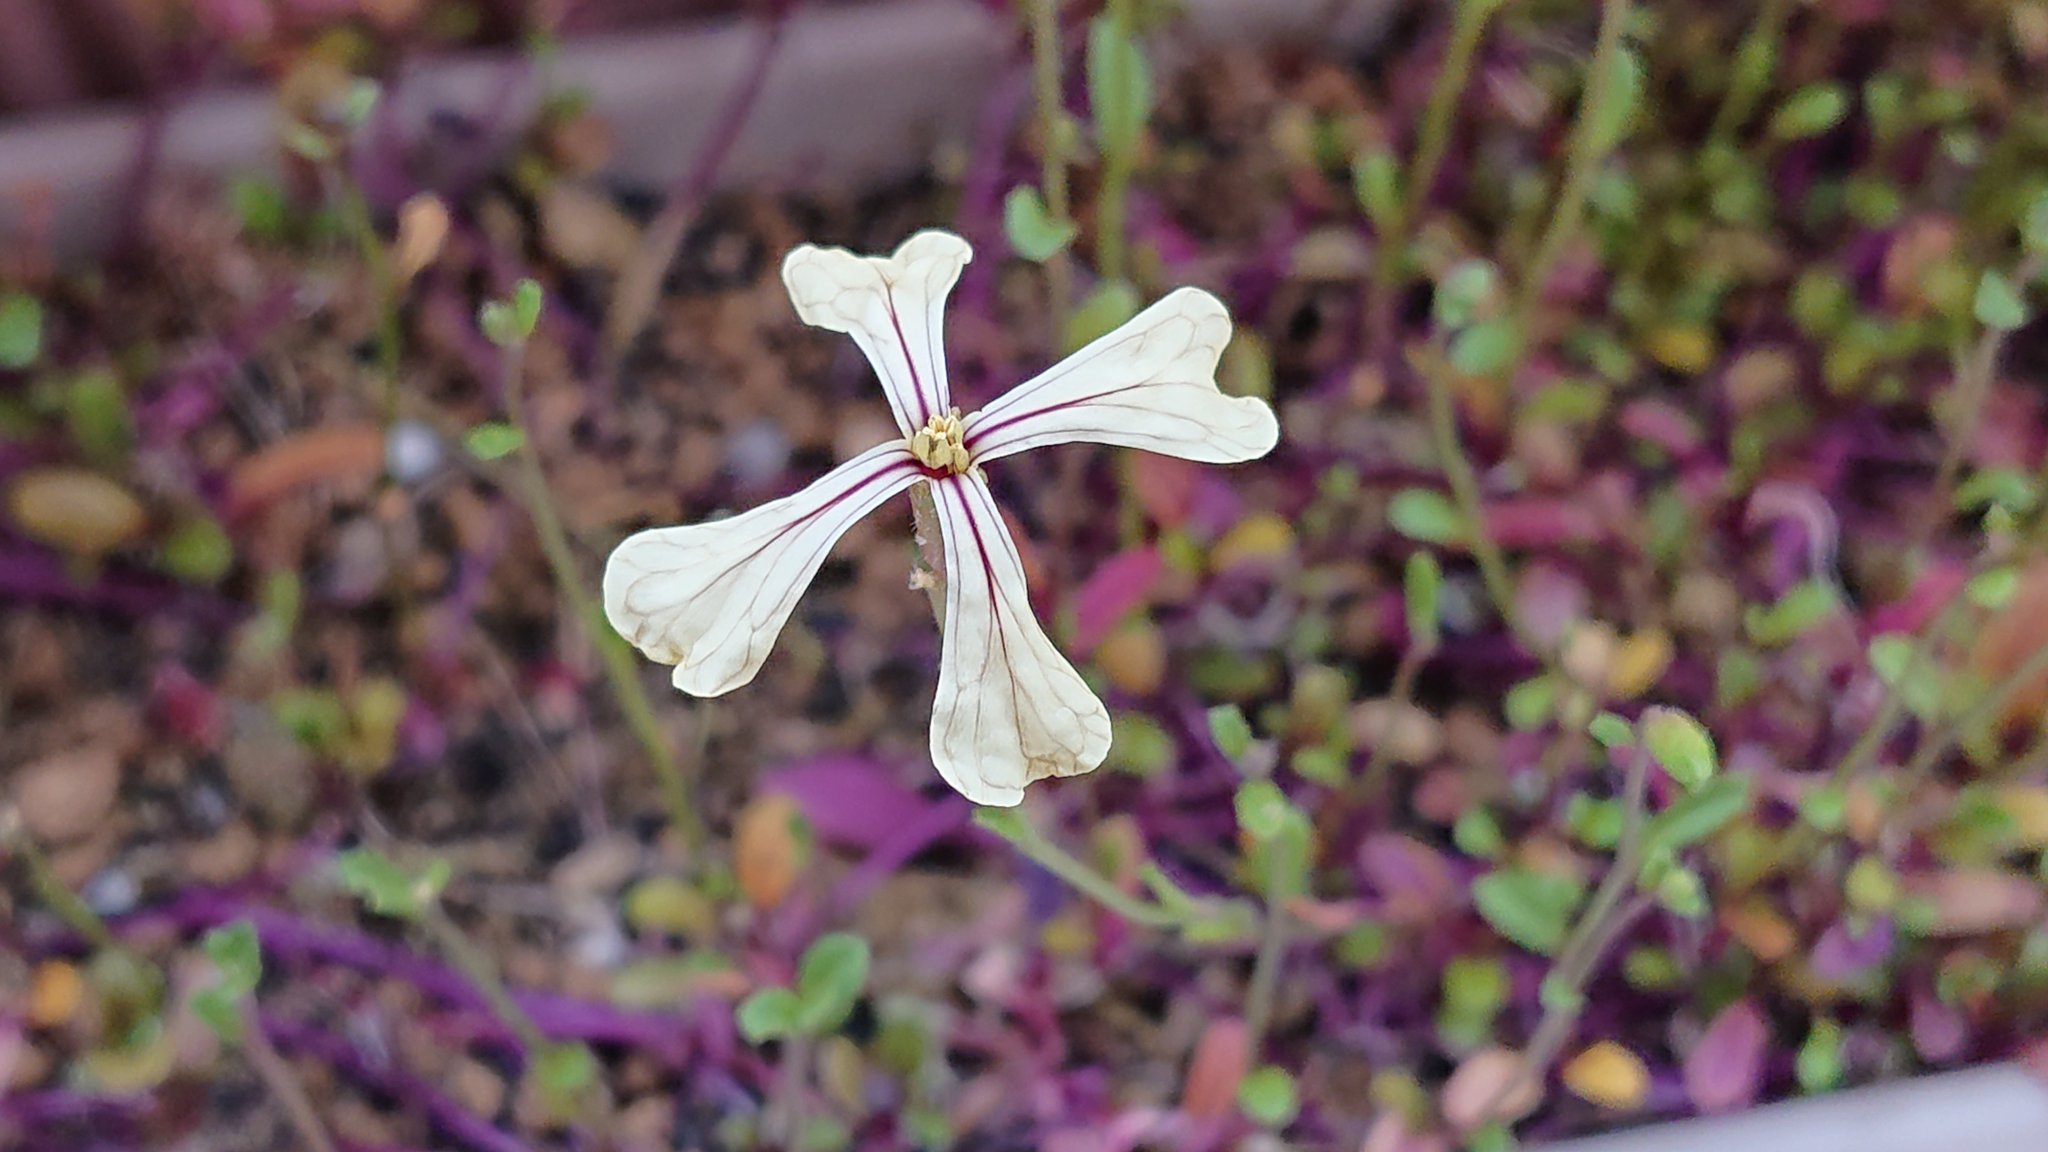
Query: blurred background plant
pixel 1620 697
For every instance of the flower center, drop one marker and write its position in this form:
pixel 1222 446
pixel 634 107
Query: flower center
pixel 941 445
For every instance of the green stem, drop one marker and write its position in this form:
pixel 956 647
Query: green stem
pixel 76 913
pixel 1892 709
pixel 1052 161
pixel 1748 84
pixel 474 964
pixel 1111 206
pixel 1265 979
pixel 1464 482
pixel 783 1117
pixel 2001 698
pixel 1025 837
pixel 618 661
pixel 1605 918
pixel 1582 165
pixel 1403 696
pixel 279 1080
pixel 1976 375
pixel 1439 117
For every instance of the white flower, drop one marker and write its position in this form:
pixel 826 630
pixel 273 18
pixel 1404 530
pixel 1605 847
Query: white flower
pixel 710 598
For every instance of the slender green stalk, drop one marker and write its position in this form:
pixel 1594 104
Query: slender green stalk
pixel 1893 707
pixel 1751 77
pixel 1606 917
pixel 1582 165
pixel 1265 979
pixel 1464 482
pixel 618 662
pixel 474 964
pixel 1453 76
pixel 1944 739
pixel 76 913
pixel 1026 838
pixel 1053 159
pixel 1976 375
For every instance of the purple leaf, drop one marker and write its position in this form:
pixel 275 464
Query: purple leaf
pixel 1723 1072
pixel 1122 584
pixel 850 800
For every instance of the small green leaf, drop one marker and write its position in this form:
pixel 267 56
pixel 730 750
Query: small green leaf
pixel 829 979
pixel 198 551
pixel 1104 311
pixel 564 1072
pixel 1268 1097
pixel 307 143
pixel 1530 704
pixel 1463 292
pixel 21 330
pixel 1421 582
pixel 1804 606
pixel 388 889
pixel 1487 348
pixel 236 954
pixel 1819 1064
pixel 1031 230
pixel 1231 731
pixel 1262 809
pixel 1612 731
pixel 360 102
pixel 1594 823
pixel 1681 891
pixel 1376 181
pixel 2034 228
pixel 527 299
pixel 1695 817
pixel 1477 834
pixel 97 417
pixel 1993 589
pixel 1119 87
pixel 1825 809
pixel 1681 746
pixel 1998 305
pixel 1322 764
pixel 493 440
pixel 769 1014
pixel 261 207
pixel 1533 909
pixel 1810 111
pixel 1426 515
pixel 1623 96
pixel 1997 487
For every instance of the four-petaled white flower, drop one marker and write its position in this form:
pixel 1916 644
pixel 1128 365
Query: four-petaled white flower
pixel 710 598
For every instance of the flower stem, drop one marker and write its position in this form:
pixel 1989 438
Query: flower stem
pixel 1606 917
pixel 1464 482
pixel 1265 978
pixel 473 963
pixel 618 663
pixel 930 570
pixel 1439 117
pixel 1052 159
pixel 1023 835
pixel 1582 164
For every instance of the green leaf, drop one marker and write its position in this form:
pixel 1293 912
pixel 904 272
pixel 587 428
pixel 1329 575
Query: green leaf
pixel 1263 810
pixel 1268 1097
pixel 829 979
pixel 1997 487
pixel 493 440
pixel 1322 764
pixel 1463 292
pixel 1825 809
pixel 1477 834
pixel 2034 228
pixel 1104 311
pixel 1810 111
pixel 21 330
pixel 1231 731
pixel 97 417
pixel 360 102
pixel 1695 817
pixel 527 299
pixel 1421 582
pixel 1624 95
pixel 769 1014
pixel 1031 230
pixel 1530 704
pixel 261 207
pixel 220 1011
pixel 1487 348
pixel 1804 606
pixel 1533 909
pixel 1819 1064
pixel 236 954
pixel 1612 731
pixel 1594 823
pixel 1681 746
pixel 1426 515
pixel 1993 589
pixel 1998 305
pixel 198 551
pixel 1119 87
pixel 388 889
pixel 564 1072
pixel 1680 890
pixel 1376 181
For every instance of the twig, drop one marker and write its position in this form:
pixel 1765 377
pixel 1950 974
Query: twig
pixel 282 1084
pixel 1582 165
pixel 618 663
pixel 1052 160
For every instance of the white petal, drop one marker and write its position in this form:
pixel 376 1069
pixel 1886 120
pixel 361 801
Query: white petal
pixel 710 598
pixel 1150 384
pixel 1010 709
pixel 894 308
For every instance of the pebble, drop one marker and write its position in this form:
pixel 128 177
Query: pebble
pixel 227 856
pixel 67 795
pixel 412 452
pixel 268 770
pixel 1468 1098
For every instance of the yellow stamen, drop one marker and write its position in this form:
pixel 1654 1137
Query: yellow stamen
pixel 941 444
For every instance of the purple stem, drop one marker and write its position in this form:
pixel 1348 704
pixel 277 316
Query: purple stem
pixel 459 1125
